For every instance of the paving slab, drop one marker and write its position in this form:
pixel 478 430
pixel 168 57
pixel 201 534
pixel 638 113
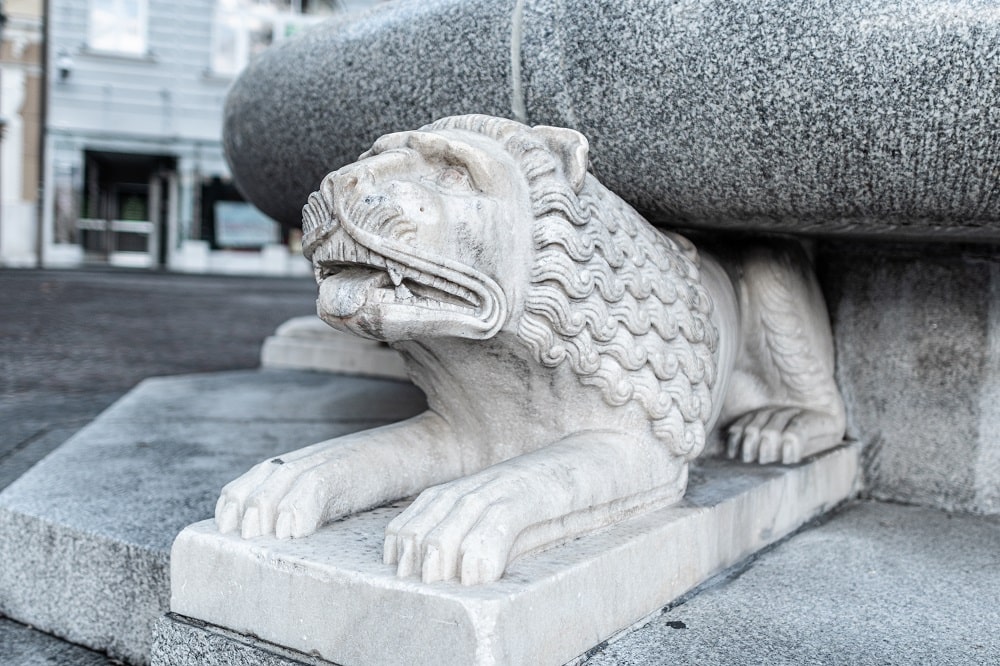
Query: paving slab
pixel 878 584
pixel 74 341
pixel 23 646
pixel 85 534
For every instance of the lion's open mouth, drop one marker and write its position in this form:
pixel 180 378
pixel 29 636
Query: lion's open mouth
pixel 341 226
pixel 362 270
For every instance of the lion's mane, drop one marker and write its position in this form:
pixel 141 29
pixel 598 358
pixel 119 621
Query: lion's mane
pixel 617 300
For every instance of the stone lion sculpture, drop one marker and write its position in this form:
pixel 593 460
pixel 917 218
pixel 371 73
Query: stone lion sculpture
pixel 575 359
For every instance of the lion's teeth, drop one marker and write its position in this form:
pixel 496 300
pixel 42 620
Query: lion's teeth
pixel 395 272
pixel 402 293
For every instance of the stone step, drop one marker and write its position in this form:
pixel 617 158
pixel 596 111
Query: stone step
pixel 85 535
pixel 875 585
pixel 23 646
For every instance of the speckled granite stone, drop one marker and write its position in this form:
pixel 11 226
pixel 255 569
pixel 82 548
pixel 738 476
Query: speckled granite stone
pixel 181 641
pixel 862 117
pixel 24 646
pixel 316 103
pixel 85 535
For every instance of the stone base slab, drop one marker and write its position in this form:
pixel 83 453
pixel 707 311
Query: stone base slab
pixel 329 595
pixel 182 641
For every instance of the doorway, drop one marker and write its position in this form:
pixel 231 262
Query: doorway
pixel 126 208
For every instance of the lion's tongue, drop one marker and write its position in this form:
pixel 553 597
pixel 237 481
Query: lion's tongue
pixel 343 294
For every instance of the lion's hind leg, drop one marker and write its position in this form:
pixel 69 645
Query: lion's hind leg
pixel 782 434
pixel 785 400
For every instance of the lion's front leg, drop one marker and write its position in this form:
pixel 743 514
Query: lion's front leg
pixel 473 527
pixel 293 494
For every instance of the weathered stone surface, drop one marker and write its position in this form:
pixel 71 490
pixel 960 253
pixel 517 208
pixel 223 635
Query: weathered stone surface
pixel 918 362
pixel 868 117
pixel 85 534
pixel 864 116
pixel 877 584
pixel 330 595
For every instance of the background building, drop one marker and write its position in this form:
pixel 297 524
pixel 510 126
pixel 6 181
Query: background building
pixel 20 130
pixel 133 172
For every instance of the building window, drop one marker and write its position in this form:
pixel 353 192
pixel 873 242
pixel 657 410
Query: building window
pixel 239 32
pixel 244 28
pixel 119 26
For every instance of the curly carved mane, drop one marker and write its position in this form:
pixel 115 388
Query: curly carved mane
pixel 618 301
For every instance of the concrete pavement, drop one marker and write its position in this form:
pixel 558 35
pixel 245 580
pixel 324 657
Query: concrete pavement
pixel 75 341
pixel 72 342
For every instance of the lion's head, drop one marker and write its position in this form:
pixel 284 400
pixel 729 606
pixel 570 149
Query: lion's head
pixel 473 224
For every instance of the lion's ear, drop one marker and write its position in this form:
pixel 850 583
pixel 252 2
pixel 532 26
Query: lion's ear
pixel 571 149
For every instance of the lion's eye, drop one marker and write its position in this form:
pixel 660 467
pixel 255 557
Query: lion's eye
pixel 454 177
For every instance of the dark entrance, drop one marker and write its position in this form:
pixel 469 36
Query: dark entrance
pixel 126 208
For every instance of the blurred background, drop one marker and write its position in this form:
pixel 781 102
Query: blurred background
pixel 110 133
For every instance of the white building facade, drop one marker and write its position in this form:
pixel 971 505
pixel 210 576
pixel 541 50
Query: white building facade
pixel 134 173
pixel 20 130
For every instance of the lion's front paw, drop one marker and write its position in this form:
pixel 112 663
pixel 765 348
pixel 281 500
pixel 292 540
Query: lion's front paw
pixel 785 434
pixel 288 499
pixel 464 529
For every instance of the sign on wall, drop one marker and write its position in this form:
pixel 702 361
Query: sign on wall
pixel 239 224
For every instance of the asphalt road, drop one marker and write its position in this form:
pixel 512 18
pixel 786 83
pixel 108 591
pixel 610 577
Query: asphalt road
pixel 72 342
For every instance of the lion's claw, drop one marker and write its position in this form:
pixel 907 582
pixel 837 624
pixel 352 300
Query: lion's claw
pixel 287 500
pixel 283 525
pixel 761 435
pixel 781 434
pixel 251 526
pixel 465 529
pixel 226 515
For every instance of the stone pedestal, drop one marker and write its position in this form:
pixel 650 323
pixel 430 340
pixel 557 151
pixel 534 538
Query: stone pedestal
pixel 330 596
pixel 307 343
pixel 918 361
